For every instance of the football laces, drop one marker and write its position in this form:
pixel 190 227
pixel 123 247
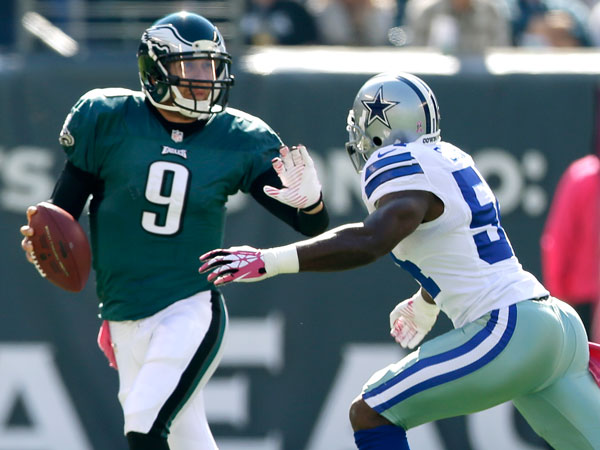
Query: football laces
pixel 37 265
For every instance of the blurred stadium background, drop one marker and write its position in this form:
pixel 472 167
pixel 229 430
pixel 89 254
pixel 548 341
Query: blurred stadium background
pixel 300 347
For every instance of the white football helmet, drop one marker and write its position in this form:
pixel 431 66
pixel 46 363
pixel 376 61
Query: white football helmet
pixel 391 108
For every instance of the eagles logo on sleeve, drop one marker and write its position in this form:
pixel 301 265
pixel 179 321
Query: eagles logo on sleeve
pixel 65 137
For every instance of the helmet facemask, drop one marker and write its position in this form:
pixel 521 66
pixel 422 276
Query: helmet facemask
pixel 359 146
pixel 197 83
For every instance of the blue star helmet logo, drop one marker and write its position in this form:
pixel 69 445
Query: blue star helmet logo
pixel 377 108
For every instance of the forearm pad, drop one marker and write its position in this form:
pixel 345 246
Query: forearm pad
pixel 313 224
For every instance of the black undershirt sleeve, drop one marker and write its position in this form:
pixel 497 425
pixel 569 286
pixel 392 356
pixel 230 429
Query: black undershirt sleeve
pixel 307 224
pixel 73 188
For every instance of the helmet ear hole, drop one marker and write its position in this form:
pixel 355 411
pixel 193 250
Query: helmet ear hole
pixel 377 141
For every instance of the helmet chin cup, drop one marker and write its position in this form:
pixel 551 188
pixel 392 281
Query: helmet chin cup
pixel 182 111
pixel 359 147
pixel 190 107
pixel 192 114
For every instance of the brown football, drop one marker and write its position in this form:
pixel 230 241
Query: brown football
pixel 61 251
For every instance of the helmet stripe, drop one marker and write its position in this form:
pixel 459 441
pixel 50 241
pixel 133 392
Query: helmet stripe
pixel 426 109
pixel 432 104
pixel 436 112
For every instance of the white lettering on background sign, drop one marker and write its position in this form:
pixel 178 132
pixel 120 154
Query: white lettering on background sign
pixel 518 181
pixel 29 375
pixel 331 430
pixel 26 178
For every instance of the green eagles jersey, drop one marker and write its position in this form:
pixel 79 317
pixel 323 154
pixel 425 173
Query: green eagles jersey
pixel 163 199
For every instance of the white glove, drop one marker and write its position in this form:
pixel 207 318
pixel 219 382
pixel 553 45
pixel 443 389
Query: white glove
pixel 247 264
pixel 412 319
pixel 296 170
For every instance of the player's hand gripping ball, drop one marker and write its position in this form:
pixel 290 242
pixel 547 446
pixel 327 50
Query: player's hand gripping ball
pixel 61 251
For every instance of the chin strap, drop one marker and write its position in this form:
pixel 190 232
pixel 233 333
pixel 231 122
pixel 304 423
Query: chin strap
pixel 177 109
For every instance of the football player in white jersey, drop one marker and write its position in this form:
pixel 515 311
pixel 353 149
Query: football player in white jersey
pixel 430 207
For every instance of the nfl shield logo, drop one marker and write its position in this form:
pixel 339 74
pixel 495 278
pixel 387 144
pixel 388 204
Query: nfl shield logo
pixel 177 135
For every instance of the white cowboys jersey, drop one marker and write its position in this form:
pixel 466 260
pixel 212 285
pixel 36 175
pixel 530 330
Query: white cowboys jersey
pixel 463 258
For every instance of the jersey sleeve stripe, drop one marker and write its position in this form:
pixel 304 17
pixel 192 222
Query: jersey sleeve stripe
pixel 402 157
pixel 391 174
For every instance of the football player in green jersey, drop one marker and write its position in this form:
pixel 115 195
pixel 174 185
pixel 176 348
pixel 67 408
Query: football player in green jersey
pixel 160 165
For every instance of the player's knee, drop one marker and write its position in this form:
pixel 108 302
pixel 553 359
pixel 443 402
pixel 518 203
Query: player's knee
pixel 363 417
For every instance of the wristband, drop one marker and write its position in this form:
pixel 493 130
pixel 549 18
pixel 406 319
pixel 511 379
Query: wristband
pixel 281 260
pixel 314 205
pixel 422 306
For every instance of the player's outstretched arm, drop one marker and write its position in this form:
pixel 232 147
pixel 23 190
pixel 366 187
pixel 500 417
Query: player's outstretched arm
pixel 345 247
pixel 412 319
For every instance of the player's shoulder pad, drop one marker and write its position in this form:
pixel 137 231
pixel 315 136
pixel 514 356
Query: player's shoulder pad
pixel 120 92
pixel 247 120
pixel 388 157
pixel 447 154
pixel 390 166
pixel 91 107
pixel 108 97
pixel 250 130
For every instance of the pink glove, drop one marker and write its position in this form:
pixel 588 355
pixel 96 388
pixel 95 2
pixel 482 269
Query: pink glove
pixel 246 264
pixel 105 344
pixel 240 264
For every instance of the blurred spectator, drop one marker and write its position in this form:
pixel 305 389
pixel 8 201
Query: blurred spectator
pixel 400 10
pixel 354 22
pixel 550 29
pixel 278 22
pixel 570 242
pixel 594 25
pixel 58 12
pixel 457 26
pixel 524 11
pixel 8 19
